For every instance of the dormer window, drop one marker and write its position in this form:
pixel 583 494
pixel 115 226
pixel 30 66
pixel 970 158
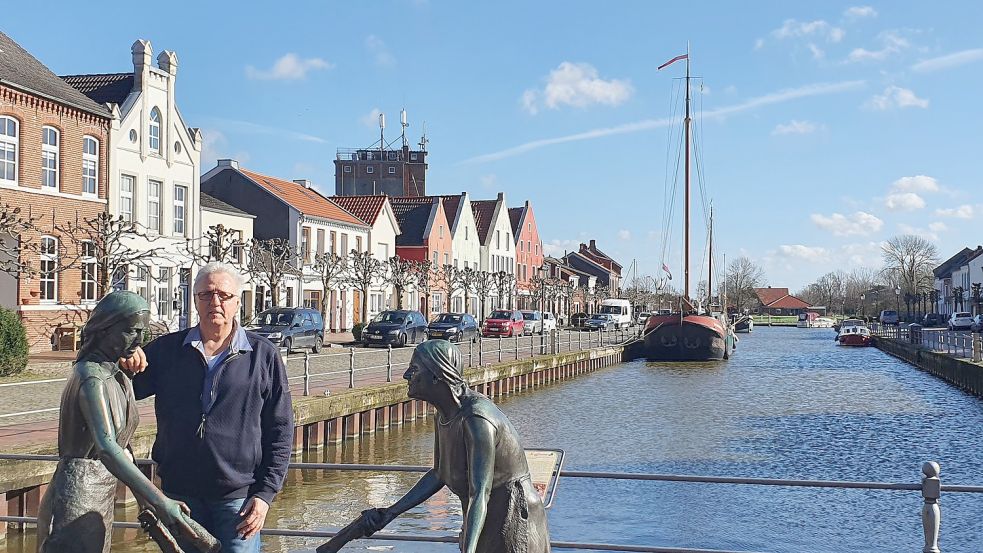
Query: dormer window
pixel 155 130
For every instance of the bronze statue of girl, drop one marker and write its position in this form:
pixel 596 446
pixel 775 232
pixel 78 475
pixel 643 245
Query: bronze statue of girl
pixel 477 455
pixel 97 419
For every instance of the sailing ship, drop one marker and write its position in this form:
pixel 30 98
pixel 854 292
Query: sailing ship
pixel 688 335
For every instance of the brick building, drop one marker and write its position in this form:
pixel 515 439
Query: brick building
pixel 528 251
pixel 426 236
pixel 53 165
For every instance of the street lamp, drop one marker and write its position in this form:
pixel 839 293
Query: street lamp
pixel 897 298
pixel 862 306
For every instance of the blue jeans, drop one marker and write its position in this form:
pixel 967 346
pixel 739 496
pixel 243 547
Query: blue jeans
pixel 220 517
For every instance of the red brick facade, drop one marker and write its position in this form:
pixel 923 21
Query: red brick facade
pixel 528 248
pixel 52 208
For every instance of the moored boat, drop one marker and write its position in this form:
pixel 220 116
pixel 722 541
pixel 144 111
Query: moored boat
pixel 855 335
pixel 691 337
pixel 743 324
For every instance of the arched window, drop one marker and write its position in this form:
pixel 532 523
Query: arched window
pixel 8 149
pixel 155 130
pixel 90 166
pixel 50 140
pixel 49 269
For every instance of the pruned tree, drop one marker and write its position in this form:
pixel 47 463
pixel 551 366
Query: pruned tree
pixel 743 276
pixel 483 282
pixel 271 261
pixel 219 243
pixel 16 247
pixel 329 268
pixel 363 272
pixel 112 243
pixel 428 279
pixel 466 278
pixel 505 285
pixel 910 260
pixel 450 282
pixel 401 274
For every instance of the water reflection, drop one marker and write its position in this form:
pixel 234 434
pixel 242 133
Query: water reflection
pixel 789 404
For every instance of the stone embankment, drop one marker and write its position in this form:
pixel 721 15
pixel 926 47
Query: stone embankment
pixel 961 372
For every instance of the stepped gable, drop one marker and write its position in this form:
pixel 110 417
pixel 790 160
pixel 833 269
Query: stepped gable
pixel 103 88
pixel 20 70
pixel 366 208
pixel 306 200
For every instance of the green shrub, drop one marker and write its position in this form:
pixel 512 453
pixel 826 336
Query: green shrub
pixel 357 331
pixel 13 343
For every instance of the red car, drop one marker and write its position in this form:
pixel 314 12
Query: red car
pixel 504 322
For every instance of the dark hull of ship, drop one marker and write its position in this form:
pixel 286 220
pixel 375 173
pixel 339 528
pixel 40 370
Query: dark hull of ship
pixel 743 325
pixel 695 338
pixel 855 340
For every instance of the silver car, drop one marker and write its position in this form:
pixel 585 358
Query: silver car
pixel 960 320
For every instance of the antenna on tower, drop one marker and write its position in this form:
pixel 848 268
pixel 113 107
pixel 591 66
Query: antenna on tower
pixel 382 134
pixel 423 139
pixel 403 122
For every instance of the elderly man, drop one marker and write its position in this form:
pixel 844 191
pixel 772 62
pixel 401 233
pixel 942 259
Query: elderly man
pixel 224 420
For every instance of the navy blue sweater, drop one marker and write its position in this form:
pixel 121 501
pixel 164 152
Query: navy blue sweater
pixel 242 447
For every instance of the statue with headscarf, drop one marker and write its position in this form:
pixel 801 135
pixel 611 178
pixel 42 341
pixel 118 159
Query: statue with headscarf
pixel 477 455
pixel 97 419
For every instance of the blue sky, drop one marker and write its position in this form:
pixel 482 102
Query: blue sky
pixel 827 127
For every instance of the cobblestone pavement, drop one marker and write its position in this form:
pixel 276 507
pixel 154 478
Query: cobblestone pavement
pixel 330 373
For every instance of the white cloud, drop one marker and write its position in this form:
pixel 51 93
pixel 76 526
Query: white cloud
pixel 556 248
pixel 290 67
pixel 859 224
pixel 577 85
pixel 819 28
pixel 918 183
pixel 866 254
pixel 379 50
pixel 796 127
pixel 859 12
pixel 928 234
pixel 371 119
pixel 489 182
pixel 248 127
pixel 904 201
pixel 964 211
pixel 896 97
pixel 759 44
pixel 891 43
pixel 938 226
pixel 785 95
pixel 948 61
pixel 624 234
pixel 817 52
pixel 808 253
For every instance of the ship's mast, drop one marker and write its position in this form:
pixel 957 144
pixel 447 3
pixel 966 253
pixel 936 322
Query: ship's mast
pixel 686 178
pixel 710 265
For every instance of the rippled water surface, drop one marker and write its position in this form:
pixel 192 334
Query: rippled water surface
pixel 789 404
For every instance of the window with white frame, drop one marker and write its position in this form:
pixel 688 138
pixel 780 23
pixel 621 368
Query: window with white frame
pixel 139 282
pixel 392 170
pixel 89 270
pixel 180 197
pixel 436 259
pixel 49 269
pixel 9 142
pixel 49 157
pixel 153 205
pixel 237 246
pixel 154 134
pixel 375 302
pixel 508 240
pixel 436 302
pixel 164 291
pixel 369 169
pixel 498 239
pixel 348 168
pixel 126 197
pixel 90 166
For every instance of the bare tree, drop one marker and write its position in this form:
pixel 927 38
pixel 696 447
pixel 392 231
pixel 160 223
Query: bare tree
pixel 449 281
pixel 401 274
pixel 466 278
pixel 329 268
pixel 16 247
pixel 428 278
pixel 219 243
pixel 505 285
pixel 271 261
pixel 363 272
pixel 110 242
pixel 484 282
pixel 743 276
pixel 910 260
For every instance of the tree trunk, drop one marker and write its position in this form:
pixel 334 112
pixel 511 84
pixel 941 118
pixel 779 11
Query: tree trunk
pixel 449 294
pixel 399 297
pixel 275 293
pixel 365 305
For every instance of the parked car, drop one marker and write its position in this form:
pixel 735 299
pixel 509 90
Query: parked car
pixel 977 325
pixel 454 327
pixel 620 311
pixel 503 322
pixel 577 320
pixel 642 317
pixel 662 312
pixel 399 327
pixel 549 321
pixel 960 320
pixel 533 322
pixel 888 317
pixel 290 327
pixel 599 321
pixel 933 319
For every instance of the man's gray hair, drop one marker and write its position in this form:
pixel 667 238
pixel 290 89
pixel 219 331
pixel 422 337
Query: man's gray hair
pixel 220 267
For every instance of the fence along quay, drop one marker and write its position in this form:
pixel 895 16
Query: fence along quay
pixel 501 379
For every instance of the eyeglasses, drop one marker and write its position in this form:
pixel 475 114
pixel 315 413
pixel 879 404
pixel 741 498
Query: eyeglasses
pixel 222 296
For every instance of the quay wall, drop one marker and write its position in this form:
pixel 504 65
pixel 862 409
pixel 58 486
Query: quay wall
pixel 322 420
pixel 960 372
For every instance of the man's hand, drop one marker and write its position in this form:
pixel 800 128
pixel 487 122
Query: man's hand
pixel 253 515
pixel 135 363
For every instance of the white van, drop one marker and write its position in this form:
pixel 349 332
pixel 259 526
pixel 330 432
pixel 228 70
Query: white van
pixel 620 310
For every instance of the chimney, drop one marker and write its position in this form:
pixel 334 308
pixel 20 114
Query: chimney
pixel 143 53
pixel 593 245
pixel 229 163
pixel 303 182
pixel 167 61
pixel 501 196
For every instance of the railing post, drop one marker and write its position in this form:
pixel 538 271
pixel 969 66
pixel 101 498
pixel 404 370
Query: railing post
pixel 351 369
pixel 931 516
pixel 307 373
pixel 977 347
pixel 470 354
pixel 500 348
pixel 516 347
pixel 580 340
pixel 481 351
pixel 389 363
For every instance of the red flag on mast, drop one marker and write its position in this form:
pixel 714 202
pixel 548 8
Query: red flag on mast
pixel 666 269
pixel 673 60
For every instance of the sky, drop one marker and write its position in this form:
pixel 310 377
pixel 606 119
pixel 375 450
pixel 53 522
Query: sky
pixel 823 129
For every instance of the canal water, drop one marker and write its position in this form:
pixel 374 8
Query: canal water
pixel 789 404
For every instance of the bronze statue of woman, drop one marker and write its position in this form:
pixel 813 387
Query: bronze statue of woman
pixel 477 455
pixel 97 419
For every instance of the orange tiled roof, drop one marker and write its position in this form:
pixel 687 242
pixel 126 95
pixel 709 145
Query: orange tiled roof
pixel 303 199
pixel 788 302
pixel 768 296
pixel 366 208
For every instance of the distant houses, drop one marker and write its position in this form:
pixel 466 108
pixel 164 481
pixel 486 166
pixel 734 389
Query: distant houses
pixel 778 301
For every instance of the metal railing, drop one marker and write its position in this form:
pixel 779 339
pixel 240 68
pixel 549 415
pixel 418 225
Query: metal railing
pixel 930 489
pixel 965 345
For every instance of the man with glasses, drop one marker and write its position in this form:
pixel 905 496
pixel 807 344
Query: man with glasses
pixel 224 419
